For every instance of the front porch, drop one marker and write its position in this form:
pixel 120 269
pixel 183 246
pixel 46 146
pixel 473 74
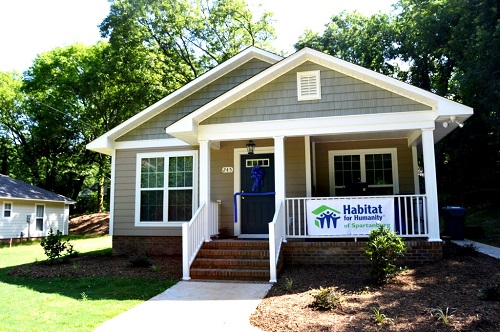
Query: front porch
pixel 289 241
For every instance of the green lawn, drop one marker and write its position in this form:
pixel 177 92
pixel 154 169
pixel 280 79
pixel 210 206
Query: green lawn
pixel 66 304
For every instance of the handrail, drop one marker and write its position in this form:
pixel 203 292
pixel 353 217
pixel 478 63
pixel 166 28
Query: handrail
pixel 276 238
pixel 193 235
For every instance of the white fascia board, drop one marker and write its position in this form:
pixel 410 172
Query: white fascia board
pixel 181 93
pixel 319 126
pixel 154 143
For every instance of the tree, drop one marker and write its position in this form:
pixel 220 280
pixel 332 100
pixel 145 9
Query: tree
pixel 365 41
pixel 179 40
pixel 76 94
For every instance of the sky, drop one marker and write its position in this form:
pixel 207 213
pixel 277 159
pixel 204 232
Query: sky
pixel 30 27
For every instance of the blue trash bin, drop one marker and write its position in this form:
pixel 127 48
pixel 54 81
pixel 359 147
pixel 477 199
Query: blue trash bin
pixel 454 221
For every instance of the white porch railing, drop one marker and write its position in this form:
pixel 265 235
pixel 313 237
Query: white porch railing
pixel 194 233
pixel 410 214
pixel 276 238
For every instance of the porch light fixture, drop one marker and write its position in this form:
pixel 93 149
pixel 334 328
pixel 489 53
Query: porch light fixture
pixel 453 119
pixel 250 147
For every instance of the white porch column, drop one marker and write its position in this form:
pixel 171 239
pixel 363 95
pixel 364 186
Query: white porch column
pixel 307 142
pixel 279 167
pixel 430 184
pixel 205 185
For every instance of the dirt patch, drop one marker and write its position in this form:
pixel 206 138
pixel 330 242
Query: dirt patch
pixel 96 223
pixel 410 302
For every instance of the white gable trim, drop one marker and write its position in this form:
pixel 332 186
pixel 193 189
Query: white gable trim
pixel 402 121
pixel 185 128
pixel 105 143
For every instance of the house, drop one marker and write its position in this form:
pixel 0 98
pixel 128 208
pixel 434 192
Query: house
pixel 297 150
pixel 29 211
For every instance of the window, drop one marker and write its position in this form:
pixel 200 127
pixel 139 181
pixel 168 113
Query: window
pixel 7 209
pixel 39 213
pixel 377 167
pixel 166 188
pixel 308 85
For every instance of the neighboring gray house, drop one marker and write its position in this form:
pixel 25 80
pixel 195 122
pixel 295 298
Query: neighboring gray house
pixel 333 152
pixel 30 210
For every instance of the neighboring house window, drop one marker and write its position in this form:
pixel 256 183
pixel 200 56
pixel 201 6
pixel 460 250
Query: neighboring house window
pixel 39 213
pixel 7 209
pixel 308 85
pixel 166 187
pixel 376 167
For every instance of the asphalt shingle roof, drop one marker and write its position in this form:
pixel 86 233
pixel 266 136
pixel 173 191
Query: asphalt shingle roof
pixel 12 188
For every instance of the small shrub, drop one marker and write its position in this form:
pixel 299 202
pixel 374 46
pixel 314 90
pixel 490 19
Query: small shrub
pixel 140 261
pixel 326 299
pixel 288 284
pixel 380 318
pixel 490 292
pixel 444 316
pixel 383 248
pixel 54 246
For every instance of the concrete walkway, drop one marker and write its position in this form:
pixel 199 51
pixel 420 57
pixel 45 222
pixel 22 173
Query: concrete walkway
pixel 194 306
pixel 481 247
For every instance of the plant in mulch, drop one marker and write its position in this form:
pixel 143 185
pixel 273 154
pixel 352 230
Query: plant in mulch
pixel 383 248
pixel 140 260
pixel 443 315
pixel 326 299
pixel 380 317
pixel 490 292
pixel 56 247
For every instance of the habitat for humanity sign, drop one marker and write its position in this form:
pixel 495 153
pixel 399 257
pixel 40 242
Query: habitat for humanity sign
pixel 346 216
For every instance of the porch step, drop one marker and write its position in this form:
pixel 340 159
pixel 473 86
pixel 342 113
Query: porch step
pixel 232 260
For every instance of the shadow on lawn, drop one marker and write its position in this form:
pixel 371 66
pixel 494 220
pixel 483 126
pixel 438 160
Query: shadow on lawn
pixel 95 275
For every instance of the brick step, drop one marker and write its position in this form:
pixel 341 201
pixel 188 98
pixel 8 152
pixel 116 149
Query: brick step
pixel 212 263
pixel 232 260
pixel 230 274
pixel 233 253
pixel 236 244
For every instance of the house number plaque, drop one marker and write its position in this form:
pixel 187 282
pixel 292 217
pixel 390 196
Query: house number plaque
pixel 227 170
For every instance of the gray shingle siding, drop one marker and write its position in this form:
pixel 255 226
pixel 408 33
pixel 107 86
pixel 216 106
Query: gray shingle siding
pixel 341 95
pixel 154 128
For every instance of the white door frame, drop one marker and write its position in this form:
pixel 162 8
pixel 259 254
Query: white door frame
pixel 238 152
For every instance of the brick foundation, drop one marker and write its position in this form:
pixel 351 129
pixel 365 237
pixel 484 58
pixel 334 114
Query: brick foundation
pixel 149 245
pixel 352 253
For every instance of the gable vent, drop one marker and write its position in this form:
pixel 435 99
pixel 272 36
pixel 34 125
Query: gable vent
pixel 308 85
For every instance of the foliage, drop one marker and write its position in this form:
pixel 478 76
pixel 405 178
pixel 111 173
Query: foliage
pixel 383 248
pixel 443 315
pixel 380 317
pixel 490 292
pixel 326 299
pixel 288 284
pixel 181 39
pixel 54 246
pixel 140 260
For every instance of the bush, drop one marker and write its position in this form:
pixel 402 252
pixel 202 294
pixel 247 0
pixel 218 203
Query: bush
pixel 54 246
pixel 326 299
pixel 490 292
pixel 140 260
pixel 384 247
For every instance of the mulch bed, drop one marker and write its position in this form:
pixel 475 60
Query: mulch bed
pixel 410 302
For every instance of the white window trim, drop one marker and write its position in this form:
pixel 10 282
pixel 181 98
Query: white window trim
pixel 362 153
pixel 11 210
pixel 317 95
pixel 165 222
pixel 44 228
